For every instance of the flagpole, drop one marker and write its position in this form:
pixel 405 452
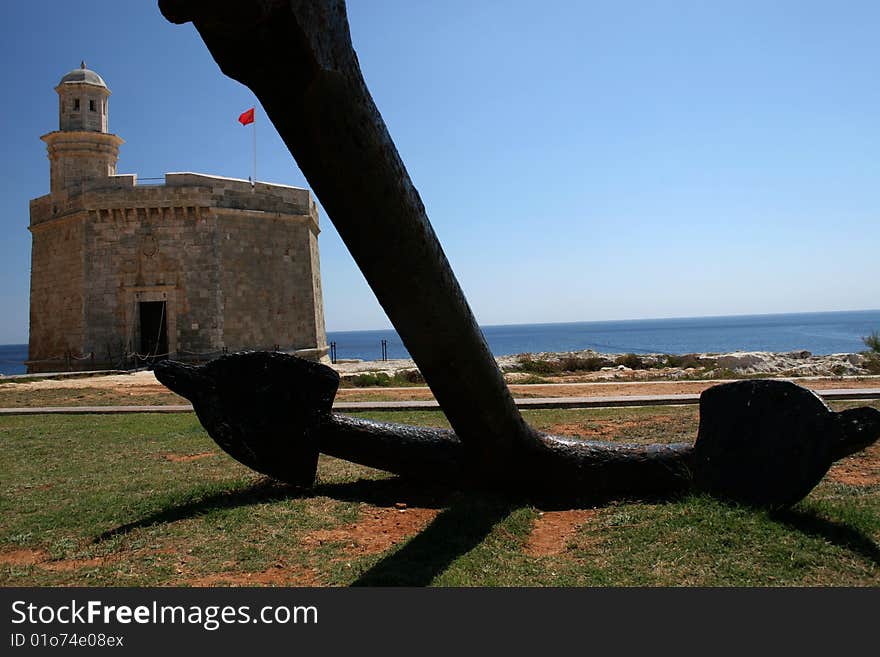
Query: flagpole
pixel 249 116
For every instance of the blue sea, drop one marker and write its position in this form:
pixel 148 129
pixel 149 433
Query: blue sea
pixel 819 333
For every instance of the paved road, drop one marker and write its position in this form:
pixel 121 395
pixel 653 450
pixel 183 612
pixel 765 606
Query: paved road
pixel 542 402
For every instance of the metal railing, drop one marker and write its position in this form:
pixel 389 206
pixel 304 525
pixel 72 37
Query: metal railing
pixel 152 182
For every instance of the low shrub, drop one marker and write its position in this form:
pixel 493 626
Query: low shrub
pixel 382 380
pixel 536 366
pixel 564 364
pixel 631 361
pixel 581 364
pixel 872 362
pixel 369 380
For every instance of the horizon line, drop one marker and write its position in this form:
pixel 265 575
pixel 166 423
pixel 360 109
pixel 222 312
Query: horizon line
pixel 639 319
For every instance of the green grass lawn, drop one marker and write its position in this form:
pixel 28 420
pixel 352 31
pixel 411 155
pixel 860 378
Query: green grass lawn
pixel 150 500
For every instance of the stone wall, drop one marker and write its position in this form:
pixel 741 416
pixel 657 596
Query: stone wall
pixel 82 107
pixel 236 265
pixel 317 293
pixel 267 282
pixel 151 254
pixel 57 274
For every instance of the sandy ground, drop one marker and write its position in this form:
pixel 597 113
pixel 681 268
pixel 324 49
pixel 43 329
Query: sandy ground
pixel 135 379
pixel 145 383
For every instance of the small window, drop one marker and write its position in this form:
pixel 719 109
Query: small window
pixel 76 104
pixel 91 105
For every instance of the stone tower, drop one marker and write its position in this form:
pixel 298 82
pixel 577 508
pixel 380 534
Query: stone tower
pixel 82 148
pixel 123 273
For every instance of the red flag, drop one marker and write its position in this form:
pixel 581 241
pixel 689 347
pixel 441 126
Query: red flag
pixel 247 117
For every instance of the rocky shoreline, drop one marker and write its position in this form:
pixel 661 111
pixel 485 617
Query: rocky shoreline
pixel 589 365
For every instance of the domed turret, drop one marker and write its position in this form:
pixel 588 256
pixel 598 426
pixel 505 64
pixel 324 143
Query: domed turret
pixel 82 101
pixel 82 148
pixel 82 74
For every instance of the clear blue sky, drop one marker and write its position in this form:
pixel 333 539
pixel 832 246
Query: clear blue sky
pixel 579 160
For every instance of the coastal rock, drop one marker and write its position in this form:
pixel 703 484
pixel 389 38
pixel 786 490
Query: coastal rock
pixel 791 364
pixel 741 361
pixel 797 363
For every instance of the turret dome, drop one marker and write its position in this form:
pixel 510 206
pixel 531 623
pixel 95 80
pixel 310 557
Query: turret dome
pixel 82 74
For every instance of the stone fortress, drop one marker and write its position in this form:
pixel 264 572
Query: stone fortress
pixel 124 273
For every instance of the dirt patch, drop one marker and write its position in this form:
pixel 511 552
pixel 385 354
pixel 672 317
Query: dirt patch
pixel 384 394
pixel 622 389
pixel 577 388
pixel 23 557
pixel 554 529
pixel 378 530
pixel 186 458
pixel 69 565
pixel 862 469
pixel 144 380
pixel 41 559
pixel 278 575
pixel 134 390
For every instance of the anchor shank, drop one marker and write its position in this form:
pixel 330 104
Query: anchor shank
pixel 298 59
